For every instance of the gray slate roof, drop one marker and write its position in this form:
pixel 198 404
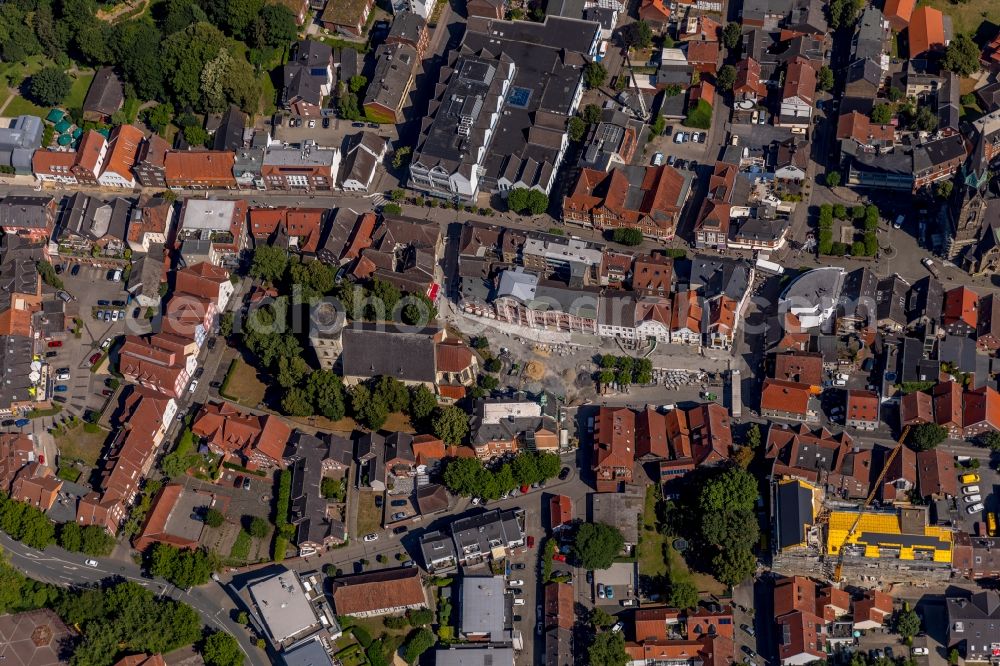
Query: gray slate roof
pixel 382 349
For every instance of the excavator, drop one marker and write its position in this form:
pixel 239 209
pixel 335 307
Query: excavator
pixel 864 507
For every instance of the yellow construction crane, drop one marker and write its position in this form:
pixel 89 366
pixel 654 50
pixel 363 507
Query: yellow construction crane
pixel 868 501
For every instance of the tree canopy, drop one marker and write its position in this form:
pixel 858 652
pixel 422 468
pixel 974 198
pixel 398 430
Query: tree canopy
pixel 608 649
pixel 183 568
pixel 594 75
pixel 927 436
pixel 962 56
pixel 221 649
pixel 596 545
pixel 50 86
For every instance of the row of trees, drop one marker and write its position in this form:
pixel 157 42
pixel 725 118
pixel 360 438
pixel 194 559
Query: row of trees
pixel 469 477
pixel 625 370
pixel 527 202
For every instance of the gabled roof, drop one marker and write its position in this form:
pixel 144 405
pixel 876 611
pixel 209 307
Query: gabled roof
pixel 783 396
pixel 800 81
pixel 615 437
pixel 106 94
pixel 936 473
pixel 926 30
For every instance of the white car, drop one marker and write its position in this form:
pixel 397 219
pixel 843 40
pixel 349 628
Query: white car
pixel 515 583
pixel 975 508
pixel 114 315
pixel 518 601
pixel 371 537
pixel 919 650
pixel 618 627
pixel 970 490
pixel 106 344
pixel 117 277
pixel 969 499
pixel 657 159
pixel 679 137
pixel 62 376
pixel 90 563
pixel 476 501
pixel 193 386
pixel 696 137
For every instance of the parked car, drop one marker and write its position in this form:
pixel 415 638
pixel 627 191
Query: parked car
pixel 618 628
pixel 135 315
pixel 246 483
pixel 61 388
pixel 609 591
pixel 747 628
pixel 371 537
pixel 199 372
pixel 518 601
pixel 215 385
pixel 970 490
pixel 326 123
pixel 517 566
pixel 193 386
pixel 971 499
pixel 657 159
pixel 59 398
pixel 75 270
pixel 399 516
pixel 51 354
pixel 90 563
pixel 400 502
pixel 357 124
pixel 211 343
pixel 103 302
pixel 920 651
pixel 117 275
pixel 55 343
pixel 559 557
pixel 20 423
pixel 62 375
pixel 969 478
pixel 378 501
pixel 563 473
pixel 400 529
pixel 975 508
pixel 600 591
pixel 531 542
pixel 105 344
pixel 590 578
pixel 238 481
pixel 629 603
pixel 94 358
pixel 747 649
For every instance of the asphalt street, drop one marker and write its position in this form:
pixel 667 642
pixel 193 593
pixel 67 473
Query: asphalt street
pixel 60 567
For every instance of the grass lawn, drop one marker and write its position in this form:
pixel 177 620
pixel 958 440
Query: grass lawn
pixel 78 444
pixel 651 542
pixel 375 626
pixel 967 17
pixel 79 91
pixel 243 386
pixel 678 570
pixel 369 515
pixel 20 106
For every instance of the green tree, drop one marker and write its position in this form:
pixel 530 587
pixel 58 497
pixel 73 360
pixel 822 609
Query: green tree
pixel 725 78
pixel 637 35
pixel 594 75
pixel 195 135
pixel 538 202
pixel 221 649
pixel 451 424
pixel 158 117
pixel 295 402
pixel 683 594
pixel 844 13
pixel 824 78
pixel 50 86
pixel 608 649
pixel 325 390
pixel 753 436
pixel 858 249
pixel 577 128
pixel 927 436
pixel 419 310
pixel 732 566
pixel 990 440
pixel 732 35
pixel 943 189
pixel 417 643
pixel 422 403
pixel 907 623
pixel 832 178
pixel 386 295
pixel 258 527
pixel 183 568
pixel 962 56
pixel 596 545
pixel 882 114
pixel 95 541
pixel 184 56
pixel 214 518
pixel 517 199
pixel 600 618
pixel 370 409
pixel 357 83
pixel 275 27
pixel 269 263
pixel 627 236
pixel 291 371
pixel 895 94
pixel 592 114
pixel 462 475
pixel 730 529
pixel 732 490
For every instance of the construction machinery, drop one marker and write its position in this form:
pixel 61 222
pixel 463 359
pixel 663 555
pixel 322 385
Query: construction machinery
pixel 864 507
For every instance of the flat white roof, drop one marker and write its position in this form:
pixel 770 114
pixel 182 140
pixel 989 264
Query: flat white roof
pixel 210 214
pixel 283 606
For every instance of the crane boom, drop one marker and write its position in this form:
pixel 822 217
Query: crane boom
pixel 868 501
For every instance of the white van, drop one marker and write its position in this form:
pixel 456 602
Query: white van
pixel 518 601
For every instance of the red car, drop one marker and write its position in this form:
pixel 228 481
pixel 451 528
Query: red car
pixel 524 489
pixel 55 343
pixel 238 481
pixel 531 542
pixel 559 557
pixel 94 358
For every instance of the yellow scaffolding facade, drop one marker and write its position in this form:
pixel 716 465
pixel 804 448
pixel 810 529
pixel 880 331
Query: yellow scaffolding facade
pixel 881 531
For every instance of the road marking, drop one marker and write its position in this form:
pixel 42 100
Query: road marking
pixel 71 568
pixel 31 555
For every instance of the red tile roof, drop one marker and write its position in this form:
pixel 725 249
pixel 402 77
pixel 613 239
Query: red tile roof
pixel 926 30
pixel 861 129
pixel 52 162
pixel 560 511
pixel 200 166
pixel 559 600
pixel 614 438
pixel 202 280
pixel 862 406
pixel 748 79
pixel 948 404
pixel 799 367
pixel 88 154
pixel 898 13
pixel 800 81
pixel 936 473
pixel 655 11
pixel 453 356
pixel 378 590
pixel 982 406
pixel 916 408
pixel 651 623
pixel 782 396
pixel 961 304
pixel 651 434
pixel 122 150
pixel 232 431
pixel 652 273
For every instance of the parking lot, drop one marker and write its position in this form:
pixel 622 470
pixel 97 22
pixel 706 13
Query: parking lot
pixel 985 489
pixel 76 355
